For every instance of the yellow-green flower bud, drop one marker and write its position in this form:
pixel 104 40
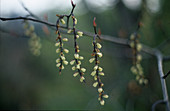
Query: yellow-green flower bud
pixel 102 102
pixel 73 68
pixel 81 57
pixel 105 96
pixel 95 78
pixel 57 44
pixel 99 99
pixel 140 81
pixel 27 33
pixel 65 62
pixel 100 90
pixel 93 73
pixel 139 57
pixel 99 45
pixel 63 58
pixel 79 62
pixel 69 31
pixel 57 60
pixel 75 20
pixel 66 50
pixel 75 74
pixel 77 36
pixel 31 28
pixel 58 65
pixel 139 47
pixel 96 67
pixel 82 79
pixel 65 39
pixel 57 50
pixel 83 69
pixel 145 81
pixel 80 33
pixel 99 54
pixel 132 37
pixel 100 69
pixel 72 62
pixel 134 70
pixel 62 67
pixel 62 21
pixel 78 66
pixel 95 84
pixel 91 60
pixel 101 73
pixel 132 44
pixel 76 56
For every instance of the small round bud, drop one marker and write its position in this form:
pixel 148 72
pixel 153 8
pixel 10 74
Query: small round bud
pixel 134 70
pixel 76 56
pixel 83 69
pixel 93 73
pixel 66 50
pixel 105 96
pixel 69 31
pixel 145 81
pixel 95 84
pixel 62 67
pixel 99 45
pixel 78 66
pixel 139 47
pixel 31 28
pixel 102 102
pixel 95 78
pixel 57 44
pixel 79 62
pixel 58 65
pixel 96 67
pixel 81 57
pixel 77 36
pixel 101 73
pixel 80 33
pixel 62 21
pixel 65 62
pixel 82 79
pixel 72 62
pixel 132 37
pixel 57 50
pixel 100 90
pixel 57 60
pixel 73 68
pixel 140 81
pixel 75 74
pixel 139 57
pixel 65 39
pixel 132 44
pixel 100 69
pixel 91 60
pixel 63 58
pixel 75 20
pixel 99 54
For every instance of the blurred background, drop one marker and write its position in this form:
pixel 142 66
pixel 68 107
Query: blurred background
pixel 33 82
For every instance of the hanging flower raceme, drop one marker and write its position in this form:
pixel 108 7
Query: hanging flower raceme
pixel 61 61
pixel 76 62
pixel 97 70
pixel 34 41
pixel 137 58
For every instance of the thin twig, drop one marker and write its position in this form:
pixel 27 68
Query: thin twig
pixel 166 75
pixel 163 83
pixel 156 103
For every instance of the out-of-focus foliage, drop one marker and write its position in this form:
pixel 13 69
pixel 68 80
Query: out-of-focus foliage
pixel 30 82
